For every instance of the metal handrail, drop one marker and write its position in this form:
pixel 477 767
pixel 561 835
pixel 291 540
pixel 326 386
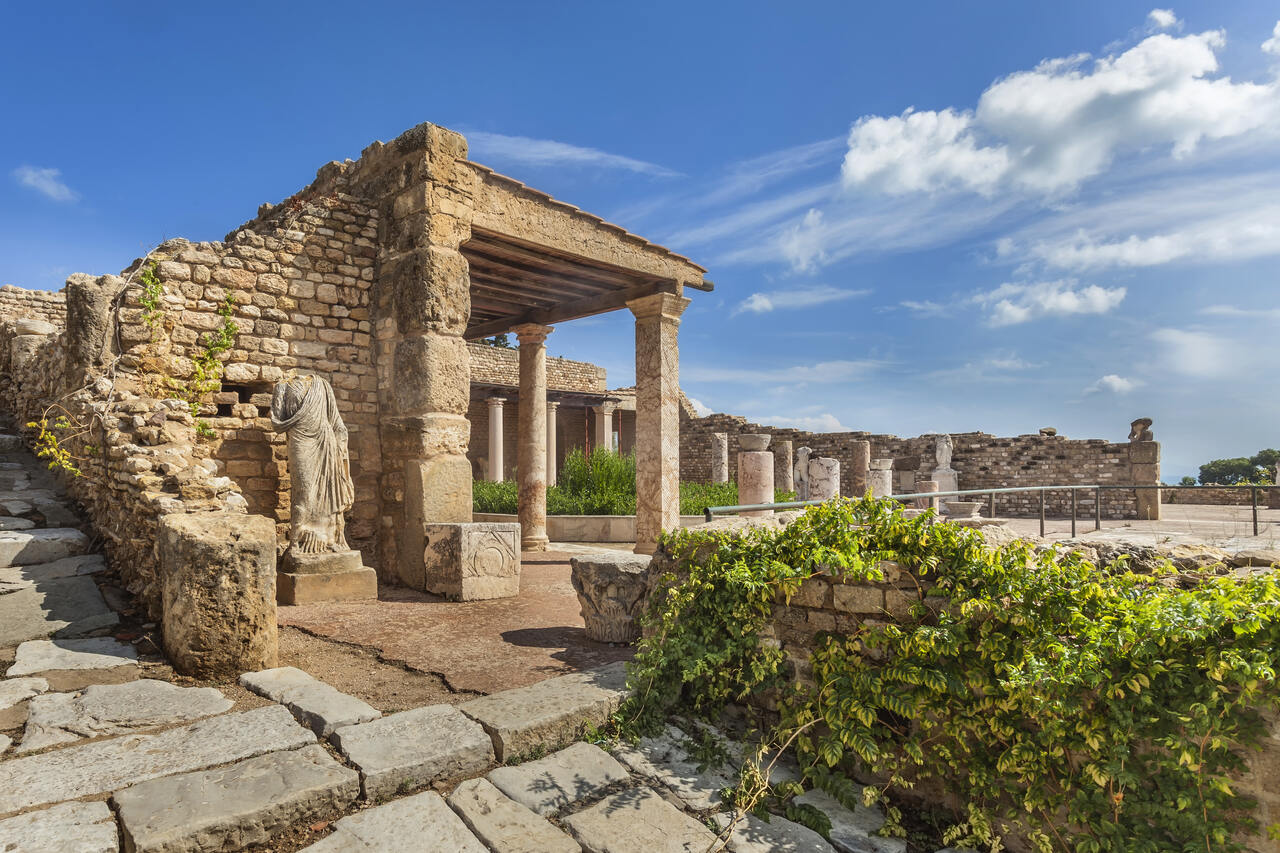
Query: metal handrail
pixel 710 512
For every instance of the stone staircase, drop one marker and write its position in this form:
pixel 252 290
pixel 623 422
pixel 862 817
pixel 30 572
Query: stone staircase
pixel 96 757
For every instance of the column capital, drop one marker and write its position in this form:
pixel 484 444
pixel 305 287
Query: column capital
pixel 495 402
pixel 532 333
pixel 666 306
pixel 605 408
pixel 552 405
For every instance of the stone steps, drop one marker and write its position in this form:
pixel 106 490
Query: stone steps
pixel 422 822
pixel 315 704
pixel 43 545
pixel 79 827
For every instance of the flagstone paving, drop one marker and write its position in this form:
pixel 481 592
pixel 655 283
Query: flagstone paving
pixel 184 770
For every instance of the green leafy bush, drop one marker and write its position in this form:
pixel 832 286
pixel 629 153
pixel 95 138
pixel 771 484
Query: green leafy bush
pixel 603 483
pixel 1091 709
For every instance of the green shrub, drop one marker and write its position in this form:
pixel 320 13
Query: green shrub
pixel 494 497
pixel 1094 708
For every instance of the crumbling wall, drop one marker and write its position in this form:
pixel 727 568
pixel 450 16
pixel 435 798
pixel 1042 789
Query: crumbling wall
pixel 983 461
pixel 17 303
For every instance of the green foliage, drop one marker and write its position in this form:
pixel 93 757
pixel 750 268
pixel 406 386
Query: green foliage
pixel 50 444
pixel 1258 469
pixel 603 483
pixel 1093 709
pixel 1187 481
pixel 152 295
pixel 499 341
pixel 207 368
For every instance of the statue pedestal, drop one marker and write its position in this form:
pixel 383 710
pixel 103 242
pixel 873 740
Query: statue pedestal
pixel 327 576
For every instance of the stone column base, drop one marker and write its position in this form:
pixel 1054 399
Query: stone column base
pixel 326 577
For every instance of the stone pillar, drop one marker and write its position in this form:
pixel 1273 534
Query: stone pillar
pixel 657 416
pixel 552 451
pixel 604 425
pixel 496 461
pixel 860 464
pixel 1144 466
pixel 755 479
pixel 927 486
pixel 719 457
pixel 531 457
pixel 880 478
pixel 824 478
pixel 783 476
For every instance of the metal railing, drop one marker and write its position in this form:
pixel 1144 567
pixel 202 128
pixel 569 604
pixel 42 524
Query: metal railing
pixel 710 512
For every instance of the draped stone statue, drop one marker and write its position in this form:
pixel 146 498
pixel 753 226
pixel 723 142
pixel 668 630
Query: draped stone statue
pixel 319 467
pixel 800 473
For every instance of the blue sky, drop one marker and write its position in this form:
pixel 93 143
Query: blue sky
pixel 919 217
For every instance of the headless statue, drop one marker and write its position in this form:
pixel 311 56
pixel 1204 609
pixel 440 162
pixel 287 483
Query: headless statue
pixel 800 473
pixel 319 466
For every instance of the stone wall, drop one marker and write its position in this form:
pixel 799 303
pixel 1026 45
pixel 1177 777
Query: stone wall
pixel 501 366
pixel 1209 496
pixel 983 461
pixel 17 303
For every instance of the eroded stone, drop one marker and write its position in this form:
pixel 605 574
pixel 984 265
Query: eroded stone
pixel 69 827
pixel 25 547
pixel 611 591
pixel 666 759
pixel 236 806
pixel 84 564
pixel 65 607
pixel 548 785
pixel 852 830
pixel 424 818
pixel 315 704
pixel 638 820
pixel 414 748
pixel 548 714
pixel 504 825
pixel 92 653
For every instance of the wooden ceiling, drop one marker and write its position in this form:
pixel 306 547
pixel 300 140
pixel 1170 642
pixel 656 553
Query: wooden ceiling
pixel 513 282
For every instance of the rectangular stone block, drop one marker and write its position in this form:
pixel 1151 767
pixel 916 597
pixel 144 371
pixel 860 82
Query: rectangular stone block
pixel 28 547
pixel 638 820
pixel 415 748
pixel 548 714
pixel 859 599
pixel 1144 452
pixel 473 561
pixel 97 768
pixel 503 825
pixel 319 706
pixel 420 822
pixel 243 804
pixel 577 773
pixel 79 827
pixel 352 585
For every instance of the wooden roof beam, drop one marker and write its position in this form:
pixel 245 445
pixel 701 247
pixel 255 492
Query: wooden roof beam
pixel 571 310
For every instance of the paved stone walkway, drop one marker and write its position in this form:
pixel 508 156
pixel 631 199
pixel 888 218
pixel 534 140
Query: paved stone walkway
pixel 96 759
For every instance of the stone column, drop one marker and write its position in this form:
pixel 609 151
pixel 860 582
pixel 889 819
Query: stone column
pixel 604 425
pixel 496 461
pixel 552 452
pixel 719 457
pixel 927 486
pixel 531 458
pixel 860 464
pixel 657 416
pixel 824 478
pixel 880 478
pixel 1144 465
pixel 755 480
pixel 783 476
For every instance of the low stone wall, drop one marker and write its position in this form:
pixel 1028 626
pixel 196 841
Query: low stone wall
pixel 18 303
pixel 501 366
pixel 587 528
pixel 1208 496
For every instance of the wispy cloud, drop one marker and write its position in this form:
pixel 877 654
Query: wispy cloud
pixel 528 151
pixel 698 406
pixel 1236 312
pixel 1113 384
pixel 1195 353
pixel 1014 303
pixel 1163 19
pixel 825 422
pixel 796 297
pixel 820 372
pixel 47 182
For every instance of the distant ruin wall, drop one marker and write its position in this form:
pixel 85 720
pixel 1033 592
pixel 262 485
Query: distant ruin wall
pixel 983 461
pixel 17 303
pixel 501 366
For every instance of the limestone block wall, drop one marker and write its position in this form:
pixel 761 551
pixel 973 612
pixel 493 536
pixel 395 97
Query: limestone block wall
pixel 984 462
pixel 501 366
pixel 1217 497
pixel 18 303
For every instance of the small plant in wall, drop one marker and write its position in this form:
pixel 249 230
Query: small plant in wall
pixel 152 297
pixel 207 370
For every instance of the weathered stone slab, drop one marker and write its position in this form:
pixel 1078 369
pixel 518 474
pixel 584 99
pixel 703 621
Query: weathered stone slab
pixel 93 653
pixel 113 709
pixel 108 765
pixel 423 818
pixel 638 820
pixel 25 547
pixel 666 759
pixel 5 741
pixel 504 825
pixel 10 523
pixel 779 835
pixel 66 828
pixel 852 829
pixel 315 704
pixel 84 564
pixel 65 607
pixel 414 748
pixel 548 714
pixel 359 584
pixel 236 806
pixel 15 690
pixel 548 785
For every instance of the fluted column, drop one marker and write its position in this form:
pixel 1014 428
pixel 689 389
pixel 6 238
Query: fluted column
pixel 657 416
pixel 495 438
pixel 552 451
pixel 531 462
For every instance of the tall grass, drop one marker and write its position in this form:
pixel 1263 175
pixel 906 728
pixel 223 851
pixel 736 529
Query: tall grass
pixel 602 483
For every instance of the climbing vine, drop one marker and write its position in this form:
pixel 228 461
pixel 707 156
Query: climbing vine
pixel 152 296
pixel 1084 708
pixel 207 367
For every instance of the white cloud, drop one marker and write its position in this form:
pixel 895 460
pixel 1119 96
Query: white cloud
pixel 825 422
pixel 1194 353
pixel 1272 45
pixel 548 152
pixel 698 406
pixel 1047 130
pixel 796 297
pixel 1113 384
pixel 1014 303
pixel 924 307
pixel 1242 313
pixel 802 243
pixel 47 182
pixel 820 372
pixel 1163 19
